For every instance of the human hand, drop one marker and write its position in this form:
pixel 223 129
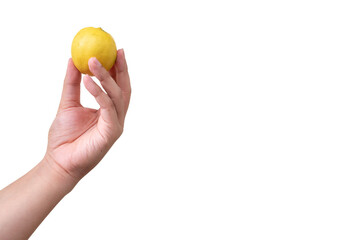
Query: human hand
pixel 80 137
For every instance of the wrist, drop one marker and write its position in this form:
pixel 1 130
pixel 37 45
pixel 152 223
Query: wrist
pixel 56 176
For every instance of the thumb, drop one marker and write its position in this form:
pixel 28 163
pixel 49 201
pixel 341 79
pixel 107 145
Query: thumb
pixel 71 90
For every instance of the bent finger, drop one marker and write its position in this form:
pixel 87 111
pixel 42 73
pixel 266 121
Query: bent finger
pixel 101 97
pixel 108 83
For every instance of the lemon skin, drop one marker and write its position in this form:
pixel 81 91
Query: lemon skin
pixel 93 42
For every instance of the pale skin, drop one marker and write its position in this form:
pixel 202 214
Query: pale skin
pixel 78 139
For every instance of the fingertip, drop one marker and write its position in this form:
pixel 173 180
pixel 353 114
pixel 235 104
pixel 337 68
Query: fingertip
pixel 120 54
pixel 71 63
pixel 72 69
pixel 121 61
pixel 94 62
pixel 91 60
pixel 87 79
pixel 88 83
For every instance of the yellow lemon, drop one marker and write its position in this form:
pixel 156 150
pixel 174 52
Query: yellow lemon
pixel 93 42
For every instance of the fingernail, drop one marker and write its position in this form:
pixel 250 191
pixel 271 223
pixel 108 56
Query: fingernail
pixel 96 62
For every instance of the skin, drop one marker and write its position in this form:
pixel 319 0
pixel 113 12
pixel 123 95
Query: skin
pixel 78 139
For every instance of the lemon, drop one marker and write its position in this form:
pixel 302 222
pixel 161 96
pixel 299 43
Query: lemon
pixel 93 42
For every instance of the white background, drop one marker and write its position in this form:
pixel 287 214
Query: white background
pixel 244 121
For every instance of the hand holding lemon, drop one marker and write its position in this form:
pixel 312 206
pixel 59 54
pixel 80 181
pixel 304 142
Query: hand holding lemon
pixel 79 136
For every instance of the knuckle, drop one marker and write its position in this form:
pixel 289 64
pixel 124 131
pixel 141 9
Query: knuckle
pixel 102 75
pixel 97 92
pixel 119 131
pixel 118 92
pixel 127 90
pixel 108 101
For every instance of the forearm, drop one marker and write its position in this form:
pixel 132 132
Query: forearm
pixel 25 203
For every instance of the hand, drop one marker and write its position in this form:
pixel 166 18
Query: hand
pixel 80 137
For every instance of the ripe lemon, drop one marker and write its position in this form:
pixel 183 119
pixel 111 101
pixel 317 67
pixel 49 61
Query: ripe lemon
pixel 93 42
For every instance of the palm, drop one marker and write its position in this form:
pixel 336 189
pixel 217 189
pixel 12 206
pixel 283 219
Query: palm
pixel 74 136
pixel 80 137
